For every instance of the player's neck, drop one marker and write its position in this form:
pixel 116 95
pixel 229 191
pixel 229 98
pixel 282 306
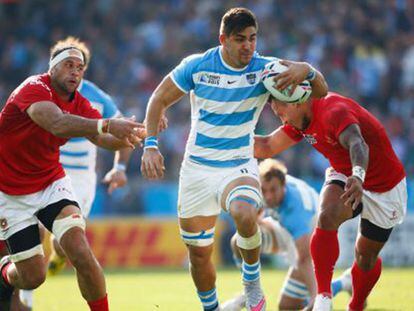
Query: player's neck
pixel 61 92
pixel 227 60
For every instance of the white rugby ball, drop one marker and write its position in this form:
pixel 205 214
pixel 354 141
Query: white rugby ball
pixel 301 93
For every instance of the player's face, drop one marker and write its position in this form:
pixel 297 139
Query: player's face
pixel 292 114
pixel 238 48
pixel 68 74
pixel 273 191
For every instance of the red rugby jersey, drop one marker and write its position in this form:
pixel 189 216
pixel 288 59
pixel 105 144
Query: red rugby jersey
pixel 333 114
pixel 29 155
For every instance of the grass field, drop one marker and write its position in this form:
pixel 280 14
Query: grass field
pixel 173 290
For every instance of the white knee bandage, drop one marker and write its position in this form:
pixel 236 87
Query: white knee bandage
pixel 295 289
pixel 60 226
pixel 249 243
pixel 203 238
pixel 248 194
pixel 37 250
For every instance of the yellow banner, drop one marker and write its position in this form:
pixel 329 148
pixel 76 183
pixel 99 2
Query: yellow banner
pixel 138 242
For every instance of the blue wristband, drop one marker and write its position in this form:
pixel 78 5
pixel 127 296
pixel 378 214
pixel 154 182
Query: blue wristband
pixel 151 142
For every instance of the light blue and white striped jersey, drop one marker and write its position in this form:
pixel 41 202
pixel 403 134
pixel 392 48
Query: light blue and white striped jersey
pixel 79 153
pixel 225 105
pixel 297 211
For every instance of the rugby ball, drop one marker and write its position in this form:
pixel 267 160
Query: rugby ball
pixel 301 93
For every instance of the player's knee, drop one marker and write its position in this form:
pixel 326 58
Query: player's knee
pixel 365 259
pixel 200 256
pixel 34 278
pixel 328 219
pixel 244 215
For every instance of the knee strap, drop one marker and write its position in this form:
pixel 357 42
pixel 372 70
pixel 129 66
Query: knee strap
pixel 60 226
pixel 202 238
pixel 248 194
pixel 251 242
pixel 295 289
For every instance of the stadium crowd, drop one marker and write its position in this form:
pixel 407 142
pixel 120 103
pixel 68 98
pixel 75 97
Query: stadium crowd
pixel 364 48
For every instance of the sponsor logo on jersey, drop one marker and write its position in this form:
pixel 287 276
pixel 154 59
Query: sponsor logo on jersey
pixel 210 79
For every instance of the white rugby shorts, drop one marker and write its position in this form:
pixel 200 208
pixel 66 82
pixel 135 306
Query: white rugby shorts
pixel 84 187
pixel 17 212
pixel 201 187
pixel 385 209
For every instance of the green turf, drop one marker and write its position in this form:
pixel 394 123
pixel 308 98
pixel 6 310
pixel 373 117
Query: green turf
pixel 173 290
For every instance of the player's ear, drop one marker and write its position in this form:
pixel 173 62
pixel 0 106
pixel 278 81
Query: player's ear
pixel 222 38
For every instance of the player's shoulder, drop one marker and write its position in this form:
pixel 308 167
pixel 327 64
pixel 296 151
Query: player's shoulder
pixel 198 60
pixel 33 84
pixel 37 81
pixel 94 93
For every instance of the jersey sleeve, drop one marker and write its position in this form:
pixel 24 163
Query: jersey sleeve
pixel 344 117
pixel 292 132
pixel 32 93
pixel 303 223
pixel 86 110
pixel 182 75
pixel 110 110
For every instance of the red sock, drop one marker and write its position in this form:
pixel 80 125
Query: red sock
pixel 324 249
pixel 99 305
pixel 4 274
pixel 362 284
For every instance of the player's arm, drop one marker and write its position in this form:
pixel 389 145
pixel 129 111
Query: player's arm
pixel 298 72
pixel 51 118
pixel 110 142
pixel 117 176
pixel 270 145
pixel 165 95
pixel 351 139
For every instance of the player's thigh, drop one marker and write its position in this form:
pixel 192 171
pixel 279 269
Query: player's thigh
pixel 331 206
pixel 19 226
pixel 385 210
pixel 197 192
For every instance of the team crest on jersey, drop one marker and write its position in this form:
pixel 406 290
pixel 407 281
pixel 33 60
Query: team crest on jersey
pixel 310 139
pixel 251 78
pixel 210 79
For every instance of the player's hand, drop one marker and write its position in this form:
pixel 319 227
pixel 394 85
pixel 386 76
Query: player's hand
pixel 295 74
pixel 152 164
pixel 353 192
pixel 115 179
pixel 128 130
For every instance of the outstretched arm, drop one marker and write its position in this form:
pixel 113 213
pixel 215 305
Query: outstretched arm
pixel 270 145
pixel 351 139
pixel 51 118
